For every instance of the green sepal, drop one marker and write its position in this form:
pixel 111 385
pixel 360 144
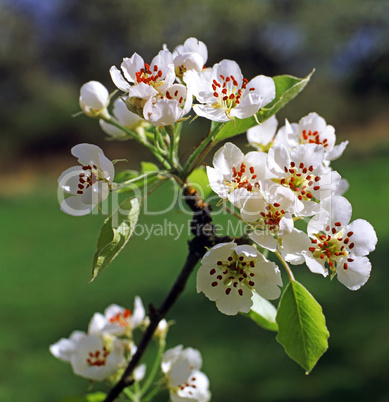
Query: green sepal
pixel 302 329
pixel 263 313
pixel 95 397
pixel 115 233
pixel 287 88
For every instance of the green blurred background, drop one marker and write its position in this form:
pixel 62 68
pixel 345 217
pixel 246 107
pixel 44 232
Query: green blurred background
pixel 48 49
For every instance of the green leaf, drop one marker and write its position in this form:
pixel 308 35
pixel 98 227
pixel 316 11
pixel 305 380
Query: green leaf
pixel 301 326
pixel 287 88
pixel 148 167
pixel 95 397
pixel 199 180
pixel 263 313
pixel 114 234
pixel 131 179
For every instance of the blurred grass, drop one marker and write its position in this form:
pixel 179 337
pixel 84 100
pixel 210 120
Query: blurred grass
pixel 45 266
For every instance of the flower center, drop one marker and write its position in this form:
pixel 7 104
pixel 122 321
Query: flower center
pixel 121 318
pixel 149 77
pixel 244 178
pixel 309 137
pixel 233 273
pixel 272 216
pixel 90 175
pixel 98 358
pixel 332 246
pixel 301 180
pixel 228 92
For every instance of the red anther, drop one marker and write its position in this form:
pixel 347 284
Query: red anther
pixel 230 258
pixel 219 277
pixel 254 176
pixel 349 234
pixel 214 284
pixel 312 249
pixel 214 87
pixel 291 185
pixel 317 178
pixel 300 197
pixel 350 259
pixel 292 164
pixel 314 241
pixel 224 91
pixel 251 169
pixel 235 284
pixel 330 263
pixel 251 283
pixel 276 204
pixel 225 98
pixel 305 170
pixel 292 179
pixel 252 264
pixel 325 243
pixel 345 241
pixel 309 195
pixel 159 73
pixel 251 89
pixel 328 228
pixel 291 170
pixel 351 246
pixel 168 95
pixel 301 165
pixel 219 263
pixel 240 291
pixel 212 271
pixel 232 96
pixel 316 188
pixel 333 230
pixel 241 258
pixel 345 266
pixel 147 66
pixel 310 168
pixel 310 183
pixel 283 181
pixel 322 256
pixel 176 93
pixel 338 224
pixel 268 208
pixel 228 79
pixel 328 238
pixel 222 77
pixel 155 68
pixel 286 169
pixel 80 192
pixel 228 291
pixel 263 214
pixel 215 94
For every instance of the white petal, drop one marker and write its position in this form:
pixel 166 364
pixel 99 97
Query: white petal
pixel 131 66
pixel 337 151
pixel 364 237
pixel 264 239
pixel 95 194
pixel 315 265
pixel 264 133
pixel 74 206
pixel 233 303
pixel 267 280
pixel 309 154
pixel 139 313
pixel 264 87
pixel 219 252
pixel 217 183
pixel 252 207
pixel 119 80
pixel 86 153
pixel 70 179
pixel 356 274
pixel 278 158
pixel 211 113
pixel 294 244
pixel 228 156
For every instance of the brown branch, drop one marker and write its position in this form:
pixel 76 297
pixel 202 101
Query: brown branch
pixel 204 237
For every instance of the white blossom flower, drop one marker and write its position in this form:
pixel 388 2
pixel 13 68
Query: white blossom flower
pixel 229 274
pixel 184 379
pixel 302 170
pixel 91 356
pixel 192 55
pixel 94 98
pixel 125 118
pixel 90 183
pixel 118 320
pixel 270 214
pixel 335 244
pixel 141 80
pixel 168 107
pixel 262 136
pixel 313 129
pixel 224 94
pixel 235 175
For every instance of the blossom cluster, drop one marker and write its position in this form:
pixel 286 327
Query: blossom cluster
pixel 288 178
pixel 103 352
pixel 161 93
